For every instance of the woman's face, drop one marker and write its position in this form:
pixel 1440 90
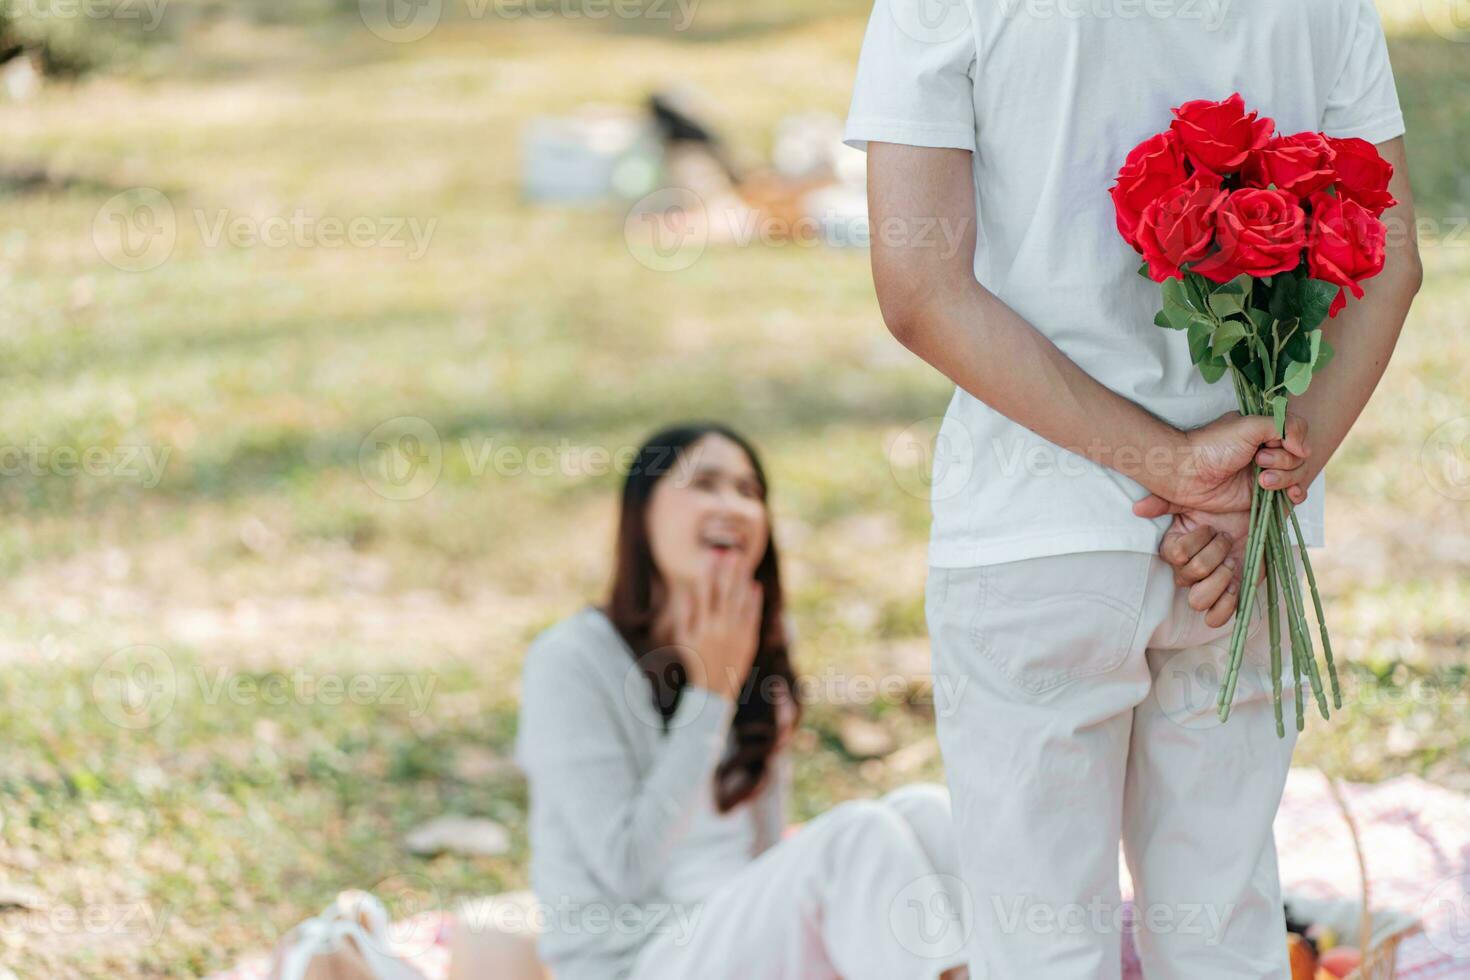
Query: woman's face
pixel 708 505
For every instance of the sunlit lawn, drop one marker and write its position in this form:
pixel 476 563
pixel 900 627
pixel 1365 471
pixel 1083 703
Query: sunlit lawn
pixel 265 560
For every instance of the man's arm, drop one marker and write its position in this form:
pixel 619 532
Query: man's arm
pixel 1364 334
pixel 934 306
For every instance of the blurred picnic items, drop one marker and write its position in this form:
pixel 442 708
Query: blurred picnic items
pixel 669 161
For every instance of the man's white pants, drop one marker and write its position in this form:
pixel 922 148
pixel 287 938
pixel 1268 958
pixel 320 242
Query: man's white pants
pixel 1076 708
pixel 866 891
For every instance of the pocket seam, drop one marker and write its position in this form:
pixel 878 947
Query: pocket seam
pixel 1131 616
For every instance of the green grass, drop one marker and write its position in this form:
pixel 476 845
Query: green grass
pixel 263 550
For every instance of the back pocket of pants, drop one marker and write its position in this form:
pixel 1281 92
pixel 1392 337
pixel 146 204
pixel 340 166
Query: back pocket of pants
pixel 1043 622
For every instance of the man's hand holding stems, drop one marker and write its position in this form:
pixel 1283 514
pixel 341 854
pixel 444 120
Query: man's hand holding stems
pixel 934 306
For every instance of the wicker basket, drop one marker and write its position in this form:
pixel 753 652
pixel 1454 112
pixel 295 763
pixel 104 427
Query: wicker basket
pixel 1380 962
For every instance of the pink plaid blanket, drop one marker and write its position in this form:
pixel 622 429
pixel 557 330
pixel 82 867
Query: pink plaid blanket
pixel 1416 839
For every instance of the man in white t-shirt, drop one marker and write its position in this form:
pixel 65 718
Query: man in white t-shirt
pixel 1050 612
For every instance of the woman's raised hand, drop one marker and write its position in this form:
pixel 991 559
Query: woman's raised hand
pixel 717 622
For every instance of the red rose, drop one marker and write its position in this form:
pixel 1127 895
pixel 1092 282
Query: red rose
pixel 1220 136
pixel 1154 166
pixel 1345 245
pixel 1179 226
pixel 1362 174
pixel 1298 164
pixel 1260 232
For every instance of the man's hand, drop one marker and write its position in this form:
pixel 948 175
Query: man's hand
pixel 1214 474
pixel 1207 552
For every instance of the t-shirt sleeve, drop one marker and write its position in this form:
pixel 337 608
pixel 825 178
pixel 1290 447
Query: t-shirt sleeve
pixel 915 77
pixel 1364 102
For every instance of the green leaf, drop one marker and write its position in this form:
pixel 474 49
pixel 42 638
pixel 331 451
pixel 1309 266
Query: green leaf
pixel 1324 356
pixel 1212 369
pixel 1224 304
pixel 1174 295
pixel 1177 316
pixel 1239 286
pixel 1260 319
pixel 1227 335
pixel 1143 271
pixel 1298 376
pixel 1161 319
pixel 1299 346
pixel 1282 303
pixel 1199 339
pixel 1278 411
pixel 1261 351
pixel 1314 299
pixel 1196 288
pixel 1315 337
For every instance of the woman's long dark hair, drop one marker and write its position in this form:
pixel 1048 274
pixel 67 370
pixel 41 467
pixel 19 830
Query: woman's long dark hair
pixel 631 609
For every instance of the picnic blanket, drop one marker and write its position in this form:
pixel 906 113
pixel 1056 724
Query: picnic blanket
pixel 1416 840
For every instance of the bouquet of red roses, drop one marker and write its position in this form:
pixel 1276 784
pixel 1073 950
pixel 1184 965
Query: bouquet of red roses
pixel 1257 239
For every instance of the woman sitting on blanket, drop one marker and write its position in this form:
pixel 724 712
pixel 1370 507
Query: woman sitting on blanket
pixel 653 734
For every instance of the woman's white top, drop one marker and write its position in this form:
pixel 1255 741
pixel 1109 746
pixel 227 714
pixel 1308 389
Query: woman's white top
pixel 623 825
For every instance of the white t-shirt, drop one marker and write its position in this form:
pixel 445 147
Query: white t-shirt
pixel 1049 96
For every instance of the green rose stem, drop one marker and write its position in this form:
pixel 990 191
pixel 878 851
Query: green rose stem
pixel 1275 625
pixel 1255 547
pixel 1296 685
pixel 1296 609
pixel 1316 604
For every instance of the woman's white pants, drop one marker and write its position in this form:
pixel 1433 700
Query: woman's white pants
pixel 1075 704
pixel 867 891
